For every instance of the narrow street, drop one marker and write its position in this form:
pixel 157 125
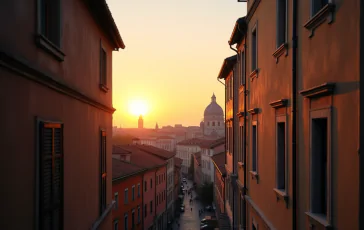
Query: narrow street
pixel 190 220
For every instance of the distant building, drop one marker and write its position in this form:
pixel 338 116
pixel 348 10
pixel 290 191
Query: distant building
pixel 140 122
pixel 177 183
pixel 213 122
pixel 56 114
pixel 209 149
pixel 197 177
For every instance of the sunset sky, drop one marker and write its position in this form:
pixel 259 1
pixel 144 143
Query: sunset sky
pixel 174 51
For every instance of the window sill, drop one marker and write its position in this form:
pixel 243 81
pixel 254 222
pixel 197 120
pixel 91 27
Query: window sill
pixel 326 13
pixel 97 223
pixel 253 74
pixel 281 194
pixel 240 164
pixel 49 47
pixel 282 49
pixel 255 175
pixel 104 88
pixel 318 219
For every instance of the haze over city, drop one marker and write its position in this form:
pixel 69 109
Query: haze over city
pixel 172 58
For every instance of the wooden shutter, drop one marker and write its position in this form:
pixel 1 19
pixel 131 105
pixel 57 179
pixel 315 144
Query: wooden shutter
pixel 51 176
pixel 103 172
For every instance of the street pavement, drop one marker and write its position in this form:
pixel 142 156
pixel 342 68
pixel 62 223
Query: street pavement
pixel 190 220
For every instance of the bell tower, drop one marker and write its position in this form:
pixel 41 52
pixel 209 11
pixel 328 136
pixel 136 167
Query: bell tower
pixel 140 122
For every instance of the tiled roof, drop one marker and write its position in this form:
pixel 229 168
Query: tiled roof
pixel 116 149
pixel 219 161
pixel 156 151
pixel 122 168
pixel 197 157
pixel 217 142
pixel 207 143
pixel 178 162
pixel 142 158
pixel 165 137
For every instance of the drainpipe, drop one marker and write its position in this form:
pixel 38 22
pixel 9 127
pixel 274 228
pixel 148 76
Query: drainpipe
pixel 294 118
pixel 234 135
pixel 361 117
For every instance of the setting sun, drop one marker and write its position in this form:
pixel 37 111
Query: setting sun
pixel 138 107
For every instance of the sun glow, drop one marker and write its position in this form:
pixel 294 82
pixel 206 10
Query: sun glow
pixel 138 107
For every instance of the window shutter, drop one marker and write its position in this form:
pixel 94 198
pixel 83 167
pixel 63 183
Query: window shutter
pixel 103 172
pixel 51 175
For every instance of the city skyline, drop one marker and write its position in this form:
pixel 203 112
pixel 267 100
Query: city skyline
pixel 176 82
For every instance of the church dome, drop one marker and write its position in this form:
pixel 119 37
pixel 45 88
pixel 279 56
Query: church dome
pixel 213 109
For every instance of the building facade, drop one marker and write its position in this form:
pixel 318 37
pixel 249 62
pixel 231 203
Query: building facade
pixel 288 101
pixel 213 121
pixel 61 81
pixel 197 172
pixel 127 192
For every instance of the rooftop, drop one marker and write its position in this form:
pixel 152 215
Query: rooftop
pixel 192 141
pixel 219 161
pixel 227 67
pixel 124 169
pixel 178 162
pixel 164 154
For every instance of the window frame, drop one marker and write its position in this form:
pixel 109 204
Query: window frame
pixel 312 5
pixel 116 198
pixel 103 72
pixel 103 171
pixel 317 114
pixel 126 220
pixel 126 196
pixel 254 31
pixel 252 171
pixel 281 192
pixel 139 214
pixel 133 193
pixel 45 42
pixel 38 164
pixel 138 190
pixel 116 223
pixel 279 43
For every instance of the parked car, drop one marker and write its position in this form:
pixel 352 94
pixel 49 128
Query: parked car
pixel 208 208
pixel 207 227
pixel 184 180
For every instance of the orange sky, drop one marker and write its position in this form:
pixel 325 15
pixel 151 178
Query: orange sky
pixel 174 51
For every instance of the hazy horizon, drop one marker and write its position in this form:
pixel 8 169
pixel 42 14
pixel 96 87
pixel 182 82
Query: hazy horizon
pixel 181 46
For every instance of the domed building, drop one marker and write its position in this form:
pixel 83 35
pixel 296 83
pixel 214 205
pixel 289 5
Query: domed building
pixel 213 121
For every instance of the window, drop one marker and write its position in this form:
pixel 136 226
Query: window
pixel 281 155
pixel 132 219
pixel 116 225
pixel 138 214
pixel 103 67
pixel 317 5
pixel 133 193
pixel 116 197
pixel 102 171
pixel 151 183
pixel 138 190
pixel 254 58
pixel 145 210
pixel 125 196
pixel 242 68
pixel 281 22
pixel 51 175
pixel 151 206
pixel 218 123
pixel 213 123
pixel 254 148
pixel 49 20
pixel 319 166
pixel 126 222
pixel 145 186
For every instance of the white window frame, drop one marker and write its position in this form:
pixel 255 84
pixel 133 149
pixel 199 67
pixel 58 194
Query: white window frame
pixel 126 196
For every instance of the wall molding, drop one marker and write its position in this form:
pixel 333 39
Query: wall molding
pixel 279 103
pixel 253 111
pixel 319 91
pixel 30 72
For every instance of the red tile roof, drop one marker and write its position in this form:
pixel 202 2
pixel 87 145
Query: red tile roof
pixel 123 169
pixel 192 141
pixel 165 137
pixel 116 149
pixel 142 158
pixel 178 162
pixel 219 161
pixel 164 154
pixel 217 142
